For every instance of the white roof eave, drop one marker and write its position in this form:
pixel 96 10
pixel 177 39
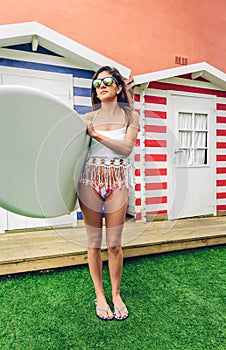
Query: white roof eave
pixel 21 33
pixel 206 71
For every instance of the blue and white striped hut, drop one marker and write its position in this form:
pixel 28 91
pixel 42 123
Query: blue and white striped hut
pixel 34 55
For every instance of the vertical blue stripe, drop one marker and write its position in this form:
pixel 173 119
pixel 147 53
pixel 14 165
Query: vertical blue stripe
pixel 80 91
pixel 76 72
pixel 28 48
pixel 82 109
pixel 79 215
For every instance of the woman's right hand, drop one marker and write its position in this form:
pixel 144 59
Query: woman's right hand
pixel 91 130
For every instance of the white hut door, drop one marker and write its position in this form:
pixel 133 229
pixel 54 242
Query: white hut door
pixel 191 173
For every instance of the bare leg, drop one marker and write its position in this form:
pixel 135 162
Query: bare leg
pixel 115 209
pixel 93 222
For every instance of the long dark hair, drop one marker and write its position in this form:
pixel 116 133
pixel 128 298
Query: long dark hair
pixel 122 98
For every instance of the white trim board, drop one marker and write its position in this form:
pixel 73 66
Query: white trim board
pixel 38 58
pixel 202 69
pixel 22 33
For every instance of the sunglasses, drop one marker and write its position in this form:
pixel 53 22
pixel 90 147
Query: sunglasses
pixel 108 81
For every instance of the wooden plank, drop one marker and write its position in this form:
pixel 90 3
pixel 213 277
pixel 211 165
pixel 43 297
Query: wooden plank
pixel 172 246
pixel 49 249
pixel 39 264
pixel 64 260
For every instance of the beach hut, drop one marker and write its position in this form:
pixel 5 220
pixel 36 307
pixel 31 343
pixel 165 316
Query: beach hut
pixel 34 55
pixel 181 158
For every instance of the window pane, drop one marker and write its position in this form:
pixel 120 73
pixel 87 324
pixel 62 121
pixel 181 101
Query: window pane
pixel 200 139
pixel 185 121
pixel 200 121
pixel 184 158
pixel 200 157
pixel 193 134
pixel 185 139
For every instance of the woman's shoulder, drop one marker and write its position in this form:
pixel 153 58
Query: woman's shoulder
pixel 89 116
pixel 135 114
pixel 134 117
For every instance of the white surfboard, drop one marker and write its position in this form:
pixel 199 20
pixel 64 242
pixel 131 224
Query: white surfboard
pixel 43 145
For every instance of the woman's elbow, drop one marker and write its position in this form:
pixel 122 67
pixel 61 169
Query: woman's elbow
pixel 127 151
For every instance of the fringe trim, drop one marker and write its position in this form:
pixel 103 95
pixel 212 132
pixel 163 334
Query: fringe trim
pixel 110 174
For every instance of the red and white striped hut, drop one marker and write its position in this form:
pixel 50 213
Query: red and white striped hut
pixel 181 153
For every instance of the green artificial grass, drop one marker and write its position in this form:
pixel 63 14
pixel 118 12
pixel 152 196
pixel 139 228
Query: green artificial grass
pixel 175 300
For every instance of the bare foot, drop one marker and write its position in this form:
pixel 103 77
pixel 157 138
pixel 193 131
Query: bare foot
pixel 103 310
pixel 120 309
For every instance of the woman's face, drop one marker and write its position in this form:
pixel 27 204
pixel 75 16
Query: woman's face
pixel 107 93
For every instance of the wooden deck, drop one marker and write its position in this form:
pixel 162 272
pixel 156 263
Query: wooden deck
pixel 48 249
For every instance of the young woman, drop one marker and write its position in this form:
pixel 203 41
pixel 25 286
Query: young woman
pixel 104 182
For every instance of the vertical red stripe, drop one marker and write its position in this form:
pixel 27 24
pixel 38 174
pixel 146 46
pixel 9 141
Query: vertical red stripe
pixel 221 207
pixel 166 86
pixel 221 106
pixel 138 201
pixel 155 157
pixel 221 195
pixel 137 157
pixel 138 216
pixel 221 132
pixel 155 143
pixel 155 99
pixel 137 187
pixel 221 157
pixel 156 200
pixel 155 128
pixel 155 186
pixel 155 114
pixel 155 172
pixel 221 183
pixel 221 170
pixel 157 212
pixel 221 144
pixel 221 120
pixel 137 98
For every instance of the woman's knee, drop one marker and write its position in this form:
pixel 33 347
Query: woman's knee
pixel 93 251
pixel 115 250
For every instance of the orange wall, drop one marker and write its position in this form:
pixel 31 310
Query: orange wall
pixel 144 35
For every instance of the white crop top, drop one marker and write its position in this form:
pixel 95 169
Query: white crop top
pixel 99 150
pixel 104 166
